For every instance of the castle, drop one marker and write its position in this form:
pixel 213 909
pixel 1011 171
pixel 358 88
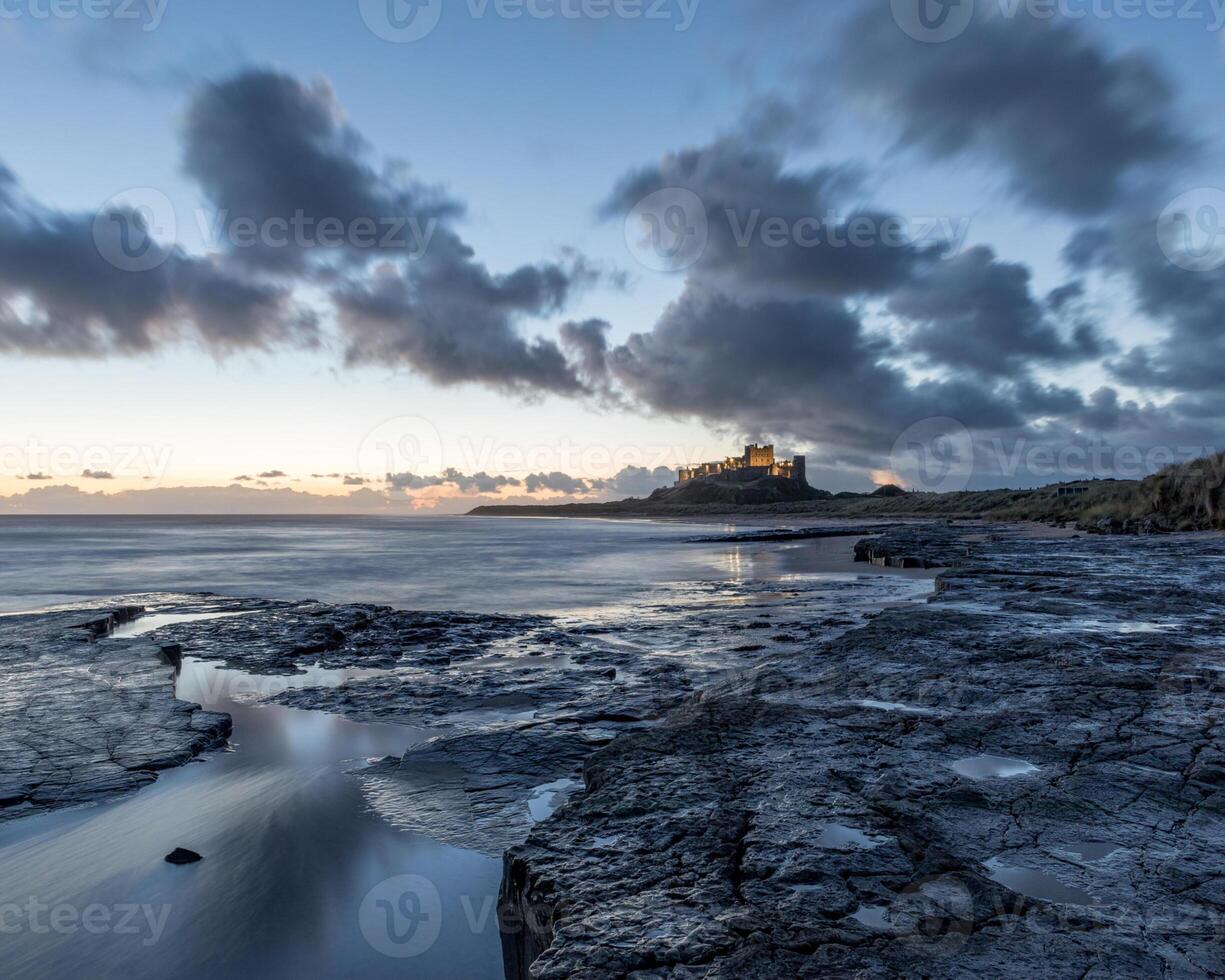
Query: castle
pixel 756 463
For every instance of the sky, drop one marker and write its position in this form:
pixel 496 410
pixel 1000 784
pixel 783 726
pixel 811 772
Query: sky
pixel 410 256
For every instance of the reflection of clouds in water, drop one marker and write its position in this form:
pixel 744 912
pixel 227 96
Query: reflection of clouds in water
pixel 290 849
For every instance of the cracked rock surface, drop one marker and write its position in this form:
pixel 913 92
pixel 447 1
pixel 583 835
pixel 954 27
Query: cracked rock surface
pixel 86 718
pixel 519 702
pixel 1023 777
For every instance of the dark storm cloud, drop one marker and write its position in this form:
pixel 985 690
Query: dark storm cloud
pixel 802 368
pixel 587 344
pixel 1189 304
pixel 976 313
pixel 765 339
pixel 266 147
pixel 454 322
pixel 1072 124
pixel 771 227
pixel 79 303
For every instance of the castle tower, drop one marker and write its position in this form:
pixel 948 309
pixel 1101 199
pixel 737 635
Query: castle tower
pixel 799 470
pixel 759 456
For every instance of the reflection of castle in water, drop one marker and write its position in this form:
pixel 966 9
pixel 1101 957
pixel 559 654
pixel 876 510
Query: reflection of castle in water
pixel 756 463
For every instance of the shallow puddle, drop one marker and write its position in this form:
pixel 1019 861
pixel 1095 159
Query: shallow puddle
pixel 1093 851
pixel 837 837
pixel 992 767
pixel 873 916
pixel 546 800
pixel 155 621
pixel 1037 885
pixel 892 706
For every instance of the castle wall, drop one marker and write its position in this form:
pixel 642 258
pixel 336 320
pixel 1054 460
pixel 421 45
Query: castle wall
pixel 757 463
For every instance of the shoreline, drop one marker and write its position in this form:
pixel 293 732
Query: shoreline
pixel 654 773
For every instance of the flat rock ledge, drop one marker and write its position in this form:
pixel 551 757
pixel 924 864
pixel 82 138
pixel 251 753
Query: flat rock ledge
pixel 86 718
pixel 1024 777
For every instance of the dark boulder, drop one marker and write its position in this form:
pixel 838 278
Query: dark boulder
pixel 180 855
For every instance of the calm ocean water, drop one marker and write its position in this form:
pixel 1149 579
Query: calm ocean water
pixel 473 564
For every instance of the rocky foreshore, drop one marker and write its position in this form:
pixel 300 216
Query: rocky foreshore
pixel 1022 778
pixel 741 778
pixel 86 717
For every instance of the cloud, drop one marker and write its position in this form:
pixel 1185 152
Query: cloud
pixel 480 482
pixel 587 344
pixel 266 147
pixel 638 481
pixel 475 483
pixel 454 322
pixel 1073 126
pixel 274 475
pixel 744 196
pixel 1190 305
pixel 355 481
pixel 244 479
pixel 801 368
pixel 97 475
pixel 35 477
pixel 269 148
pixel 64 290
pixel 976 313
pixel 556 483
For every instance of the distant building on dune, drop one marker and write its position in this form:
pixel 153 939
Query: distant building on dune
pixel 757 463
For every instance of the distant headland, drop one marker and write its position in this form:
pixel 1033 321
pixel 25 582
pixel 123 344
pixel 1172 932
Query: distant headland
pixel 1188 496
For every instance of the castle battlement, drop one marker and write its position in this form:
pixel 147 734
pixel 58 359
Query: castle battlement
pixel 757 463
